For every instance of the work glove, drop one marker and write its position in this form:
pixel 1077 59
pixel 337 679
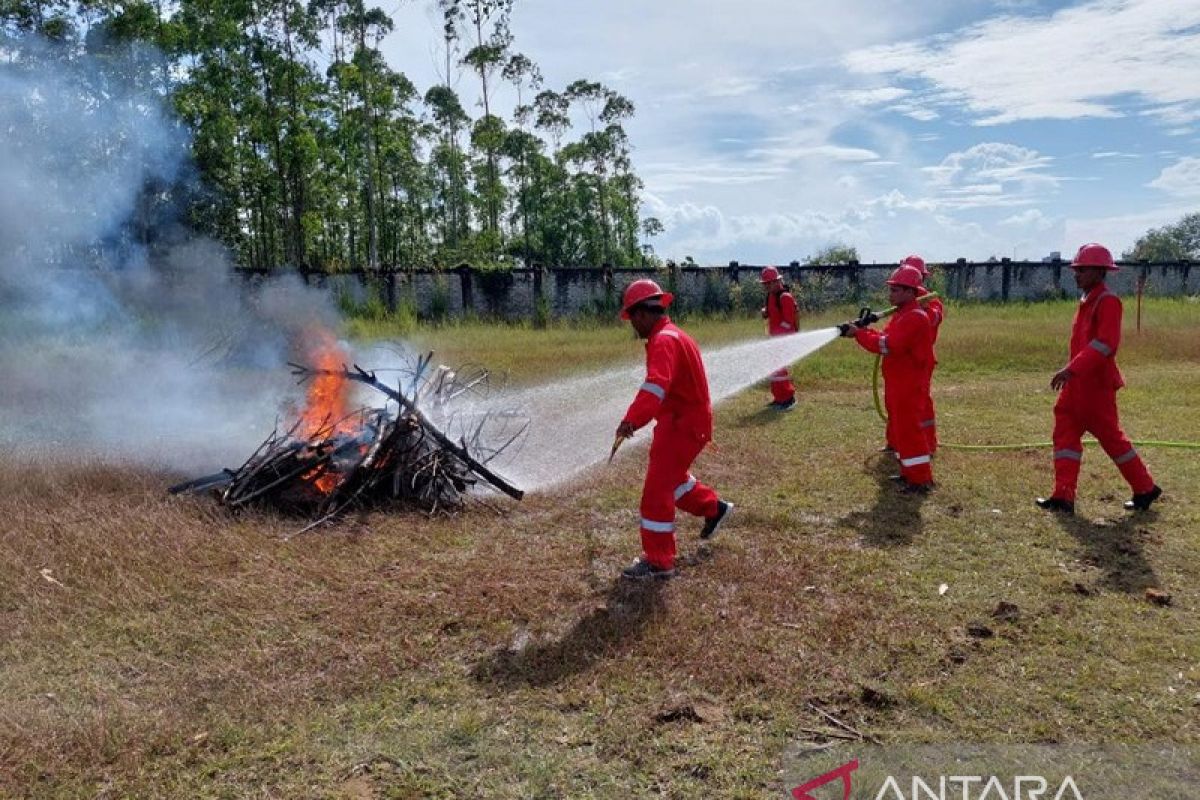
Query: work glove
pixel 866 317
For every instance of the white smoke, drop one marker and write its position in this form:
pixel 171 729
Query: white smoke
pixel 108 348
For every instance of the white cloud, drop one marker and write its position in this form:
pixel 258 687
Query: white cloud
pixel 1181 178
pixel 832 152
pixel 1114 154
pixel 1073 63
pixel 691 228
pixel 996 163
pixel 871 97
pixel 729 86
pixel 668 176
pixel 1029 218
pixel 917 113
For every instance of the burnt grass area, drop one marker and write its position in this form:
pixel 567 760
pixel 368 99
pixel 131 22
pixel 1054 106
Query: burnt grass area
pixel 158 646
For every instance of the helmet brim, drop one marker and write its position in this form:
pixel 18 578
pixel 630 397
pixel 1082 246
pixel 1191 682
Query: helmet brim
pixel 664 300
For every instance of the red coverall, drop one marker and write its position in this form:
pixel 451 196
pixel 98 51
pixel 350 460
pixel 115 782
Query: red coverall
pixel 936 312
pixel 1088 401
pixel 675 395
pixel 781 321
pixel 906 345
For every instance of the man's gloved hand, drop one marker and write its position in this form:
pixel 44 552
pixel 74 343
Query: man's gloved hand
pixel 846 329
pixel 866 316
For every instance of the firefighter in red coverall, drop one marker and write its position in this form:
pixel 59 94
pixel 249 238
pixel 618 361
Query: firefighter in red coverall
pixel 906 345
pixel 1088 387
pixel 936 312
pixel 675 395
pixel 780 314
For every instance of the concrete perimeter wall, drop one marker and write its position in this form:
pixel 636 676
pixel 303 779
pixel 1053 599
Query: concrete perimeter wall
pixel 574 291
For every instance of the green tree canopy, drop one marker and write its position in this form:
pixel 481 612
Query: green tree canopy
pixel 314 153
pixel 837 253
pixel 1169 243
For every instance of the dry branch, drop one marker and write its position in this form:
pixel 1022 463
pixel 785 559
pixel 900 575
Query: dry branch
pixel 373 457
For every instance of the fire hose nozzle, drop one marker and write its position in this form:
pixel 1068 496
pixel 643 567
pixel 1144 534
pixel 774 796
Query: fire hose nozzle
pixel 617 442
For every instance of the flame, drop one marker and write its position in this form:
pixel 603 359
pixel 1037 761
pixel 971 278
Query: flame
pixel 328 400
pixel 327 405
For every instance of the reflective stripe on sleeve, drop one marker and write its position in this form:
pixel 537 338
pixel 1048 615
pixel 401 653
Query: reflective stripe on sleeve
pixel 654 389
pixel 685 487
pixel 1074 455
pixel 914 461
pixel 1100 347
pixel 779 378
pixel 785 325
pixel 883 345
pixel 1130 456
pixel 658 527
pixel 674 334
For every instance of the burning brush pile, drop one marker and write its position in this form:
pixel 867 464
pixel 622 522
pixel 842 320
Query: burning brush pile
pixel 425 448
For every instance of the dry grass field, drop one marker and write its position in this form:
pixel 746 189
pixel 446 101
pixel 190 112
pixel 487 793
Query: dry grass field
pixel 155 646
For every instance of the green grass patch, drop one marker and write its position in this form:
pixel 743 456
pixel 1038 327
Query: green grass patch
pixel 181 652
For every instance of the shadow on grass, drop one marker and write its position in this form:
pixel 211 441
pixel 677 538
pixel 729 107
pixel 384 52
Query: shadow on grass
pixel 895 518
pixel 1113 546
pixel 765 415
pixel 622 619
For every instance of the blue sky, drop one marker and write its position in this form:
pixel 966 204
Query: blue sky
pixel 767 129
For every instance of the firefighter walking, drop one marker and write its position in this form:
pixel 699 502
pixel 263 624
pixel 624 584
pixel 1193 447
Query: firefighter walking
pixel 780 314
pixel 675 395
pixel 1087 386
pixel 906 345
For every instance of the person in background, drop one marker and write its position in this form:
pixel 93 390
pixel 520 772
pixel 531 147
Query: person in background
pixel 675 395
pixel 1087 387
pixel 936 312
pixel 780 314
pixel 906 345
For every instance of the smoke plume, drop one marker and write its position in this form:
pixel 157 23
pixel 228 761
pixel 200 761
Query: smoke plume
pixel 122 336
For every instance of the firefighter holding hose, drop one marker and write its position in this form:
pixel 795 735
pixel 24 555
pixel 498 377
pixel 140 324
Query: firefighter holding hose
pixel 1087 386
pixel 906 345
pixel 936 313
pixel 675 395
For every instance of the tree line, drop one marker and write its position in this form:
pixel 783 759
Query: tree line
pixel 315 154
pixel 1175 242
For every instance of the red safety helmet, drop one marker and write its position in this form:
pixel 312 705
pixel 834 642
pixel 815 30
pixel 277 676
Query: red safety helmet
pixel 640 291
pixel 770 275
pixel 907 276
pixel 1094 255
pixel 918 262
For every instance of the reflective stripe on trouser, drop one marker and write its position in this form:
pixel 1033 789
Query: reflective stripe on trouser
pixel 904 426
pixel 1097 416
pixel 669 485
pixel 929 417
pixel 782 389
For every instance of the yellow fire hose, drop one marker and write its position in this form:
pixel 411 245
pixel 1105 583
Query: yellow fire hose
pixel 1023 446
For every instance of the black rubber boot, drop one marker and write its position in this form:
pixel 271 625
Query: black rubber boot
pixel 1056 504
pixel 1141 502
